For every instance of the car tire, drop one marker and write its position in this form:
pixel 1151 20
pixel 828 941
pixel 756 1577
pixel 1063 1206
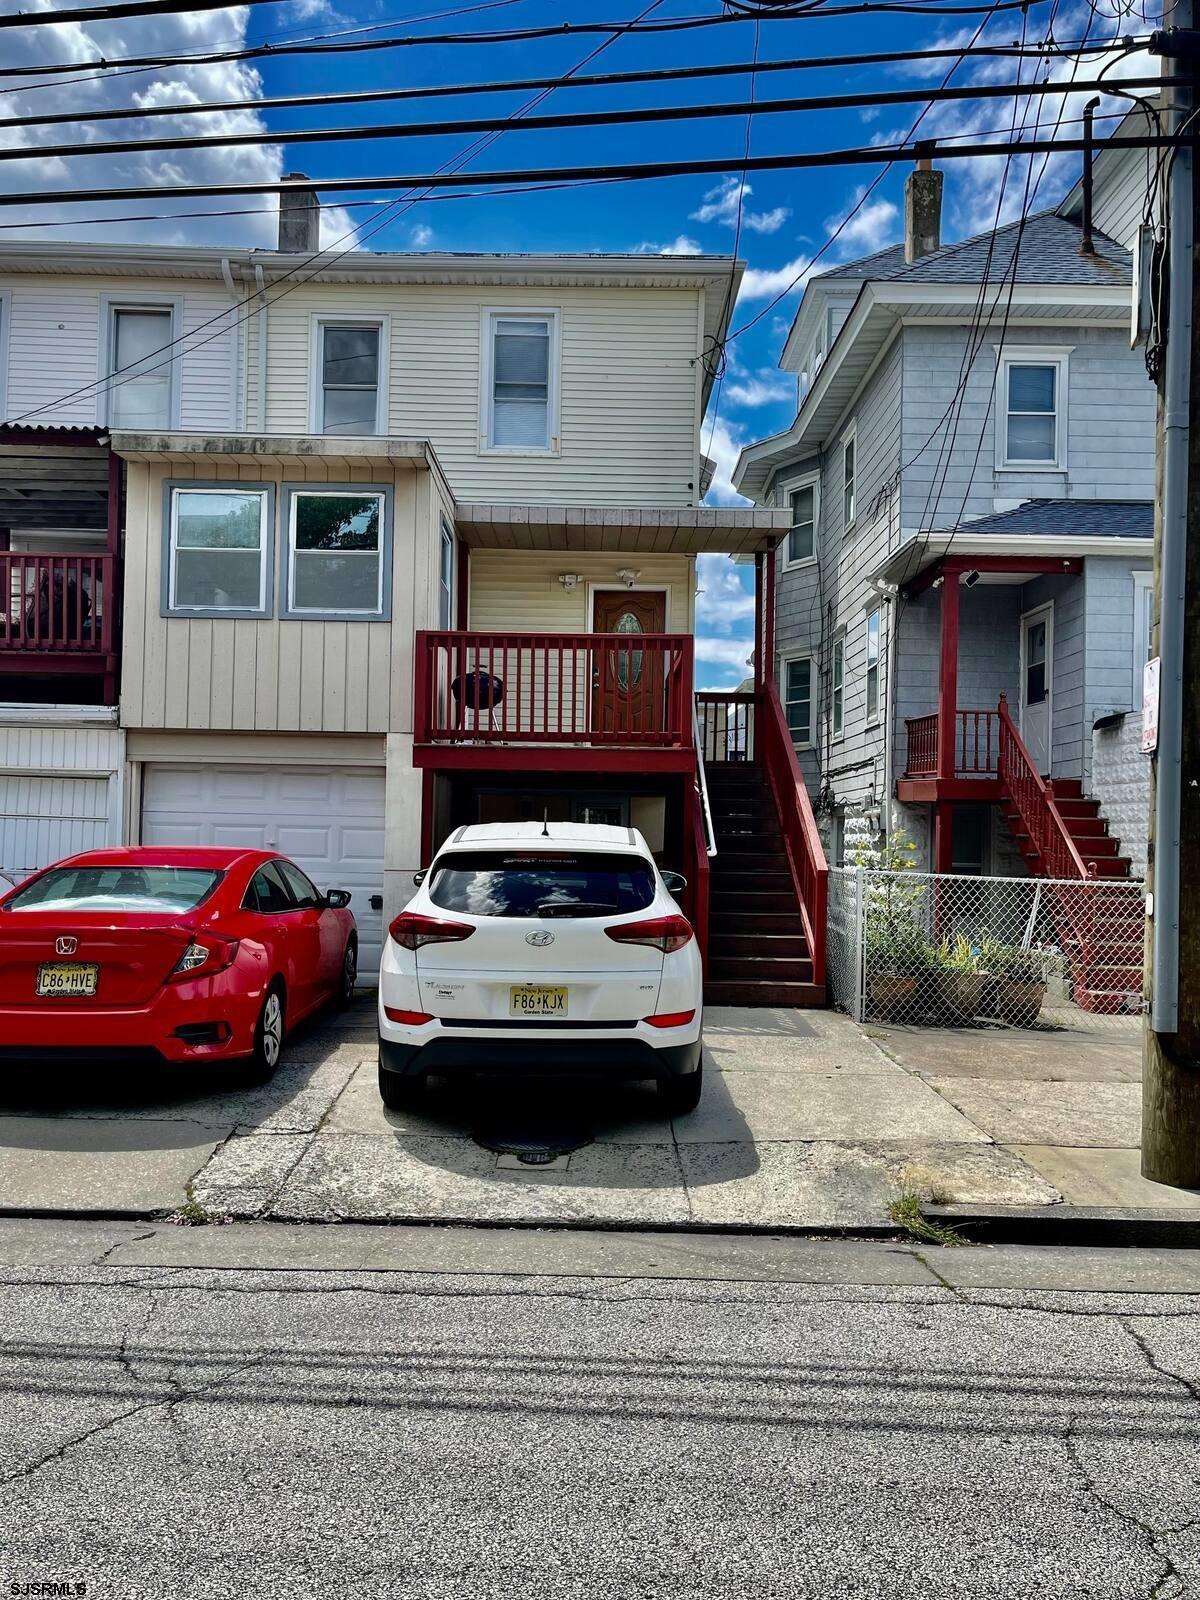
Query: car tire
pixel 398 1091
pixel 681 1095
pixel 269 1034
pixel 349 975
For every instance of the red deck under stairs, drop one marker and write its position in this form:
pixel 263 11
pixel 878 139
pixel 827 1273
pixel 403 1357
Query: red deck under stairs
pixel 758 949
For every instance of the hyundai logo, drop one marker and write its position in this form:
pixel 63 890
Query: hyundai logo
pixel 66 944
pixel 539 938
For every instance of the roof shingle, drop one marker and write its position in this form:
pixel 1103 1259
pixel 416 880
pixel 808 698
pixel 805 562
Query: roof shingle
pixel 1084 518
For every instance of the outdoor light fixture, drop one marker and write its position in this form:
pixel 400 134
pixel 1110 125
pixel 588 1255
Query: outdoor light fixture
pixel 970 579
pixel 629 576
pixel 570 580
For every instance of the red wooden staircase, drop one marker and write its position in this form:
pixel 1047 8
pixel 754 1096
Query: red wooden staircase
pixel 768 879
pixel 1062 836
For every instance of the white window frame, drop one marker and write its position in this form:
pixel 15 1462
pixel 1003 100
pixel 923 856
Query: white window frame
pixel 110 304
pixel 837 685
pixel 873 711
pixel 488 317
pixel 785 662
pixel 849 441
pixel 172 489
pixel 1143 584
pixel 5 324
pixel 806 480
pixel 316 363
pixel 1032 356
pixel 446 540
pixel 292 494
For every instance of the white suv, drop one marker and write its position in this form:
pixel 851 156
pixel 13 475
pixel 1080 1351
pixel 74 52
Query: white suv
pixel 542 947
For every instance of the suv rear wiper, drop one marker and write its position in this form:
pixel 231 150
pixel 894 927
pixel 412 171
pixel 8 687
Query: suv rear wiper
pixel 575 908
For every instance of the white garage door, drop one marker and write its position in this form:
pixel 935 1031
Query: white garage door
pixel 329 823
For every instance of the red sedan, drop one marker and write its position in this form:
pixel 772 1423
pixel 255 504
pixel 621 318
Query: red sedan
pixel 169 955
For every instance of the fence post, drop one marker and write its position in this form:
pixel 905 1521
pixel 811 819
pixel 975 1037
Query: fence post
pixel 859 951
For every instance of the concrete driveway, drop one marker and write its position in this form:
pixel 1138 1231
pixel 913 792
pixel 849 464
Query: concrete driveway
pixel 805 1122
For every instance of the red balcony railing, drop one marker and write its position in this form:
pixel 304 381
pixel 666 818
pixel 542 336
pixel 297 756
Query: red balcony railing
pixel 976 745
pixel 554 688
pixel 56 605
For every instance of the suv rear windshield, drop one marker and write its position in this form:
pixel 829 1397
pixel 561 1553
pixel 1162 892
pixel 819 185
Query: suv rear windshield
pixel 556 883
pixel 116 889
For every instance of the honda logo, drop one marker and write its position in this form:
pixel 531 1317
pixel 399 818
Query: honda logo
pixel 66 944
pixel 539 939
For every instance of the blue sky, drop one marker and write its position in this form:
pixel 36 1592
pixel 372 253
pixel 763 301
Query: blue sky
pixel 785 217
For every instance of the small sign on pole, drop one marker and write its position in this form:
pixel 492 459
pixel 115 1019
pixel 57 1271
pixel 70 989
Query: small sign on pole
pixel 1150 680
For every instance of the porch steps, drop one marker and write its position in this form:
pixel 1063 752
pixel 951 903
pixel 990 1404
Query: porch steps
pixel 1098 849
pixel 758 954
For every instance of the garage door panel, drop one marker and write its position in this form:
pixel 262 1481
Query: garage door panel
pixel 282 809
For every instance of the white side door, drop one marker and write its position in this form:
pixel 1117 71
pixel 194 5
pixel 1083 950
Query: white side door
pixel 330 823
pixel 1037 679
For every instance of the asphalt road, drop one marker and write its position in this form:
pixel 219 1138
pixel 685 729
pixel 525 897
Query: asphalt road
pixel 193 1432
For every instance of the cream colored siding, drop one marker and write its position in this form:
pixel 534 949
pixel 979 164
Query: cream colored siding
pixel 272 675
pixel 57 344
pixel 628 394
pixel 60 792
pixel 513 590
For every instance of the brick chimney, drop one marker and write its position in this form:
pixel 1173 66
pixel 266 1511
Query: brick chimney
pixel 299 218
pixel 922 211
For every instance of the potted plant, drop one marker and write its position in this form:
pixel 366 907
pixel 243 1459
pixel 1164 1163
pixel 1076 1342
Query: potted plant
pixel 898 962
pixel 959 981
pixel 1015 982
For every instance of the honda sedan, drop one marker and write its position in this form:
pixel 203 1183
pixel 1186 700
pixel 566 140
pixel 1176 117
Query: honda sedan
pixel 554 947
pixel 169 956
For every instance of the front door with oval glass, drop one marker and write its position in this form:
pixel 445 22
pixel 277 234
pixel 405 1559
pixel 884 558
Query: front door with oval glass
pixel 628 680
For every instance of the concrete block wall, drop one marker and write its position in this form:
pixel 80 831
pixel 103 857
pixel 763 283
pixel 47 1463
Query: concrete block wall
pixel 1121 783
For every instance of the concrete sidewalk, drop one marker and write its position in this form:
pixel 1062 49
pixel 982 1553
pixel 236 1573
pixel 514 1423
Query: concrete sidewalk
pixel 806 1122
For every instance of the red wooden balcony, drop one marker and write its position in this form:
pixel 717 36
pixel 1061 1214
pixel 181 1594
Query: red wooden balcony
pixel 591 700
pixel 976 745
pixel 56 613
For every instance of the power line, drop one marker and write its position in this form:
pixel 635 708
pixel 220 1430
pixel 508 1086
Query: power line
pixel 564 30
pixel 631 172
pixel 127 8
pixel 514 85
pixel 582 121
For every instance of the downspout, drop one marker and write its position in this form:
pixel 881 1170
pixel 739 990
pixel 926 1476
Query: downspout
pixel 1168 761
pixel 261 397
pixel 889 723
pixel 239 366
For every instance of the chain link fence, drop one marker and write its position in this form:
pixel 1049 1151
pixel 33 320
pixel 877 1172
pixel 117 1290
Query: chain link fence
pixel 932 949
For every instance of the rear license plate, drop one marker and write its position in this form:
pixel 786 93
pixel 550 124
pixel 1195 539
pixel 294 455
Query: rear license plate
pixel 67 978
pixel 530 1001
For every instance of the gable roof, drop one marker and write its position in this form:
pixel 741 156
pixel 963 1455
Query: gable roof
pixel 1090 519
pixel 1049 253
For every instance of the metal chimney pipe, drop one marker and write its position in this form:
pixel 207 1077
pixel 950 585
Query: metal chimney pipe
pixel 1086 245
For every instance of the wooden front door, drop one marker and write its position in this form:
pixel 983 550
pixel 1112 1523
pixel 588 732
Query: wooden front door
pixel 628 683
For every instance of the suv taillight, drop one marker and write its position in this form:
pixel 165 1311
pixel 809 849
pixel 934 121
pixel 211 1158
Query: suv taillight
pixel 206 955
pixel 412 930
pixel 660 933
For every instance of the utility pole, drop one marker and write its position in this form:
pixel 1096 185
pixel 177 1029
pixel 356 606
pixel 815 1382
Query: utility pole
pixel 1171 1053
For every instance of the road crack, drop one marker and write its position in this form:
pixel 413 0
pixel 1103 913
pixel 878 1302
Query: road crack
pixel 1170 1583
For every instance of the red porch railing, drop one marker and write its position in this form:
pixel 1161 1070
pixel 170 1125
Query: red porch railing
pixel 1033 798
pixel 554 688
pixel 56 605
pixel 726 725
pixel 806 856
pixel 976 745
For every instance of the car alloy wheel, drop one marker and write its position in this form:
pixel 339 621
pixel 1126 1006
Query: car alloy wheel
pixel 271 1031
pixel 349 972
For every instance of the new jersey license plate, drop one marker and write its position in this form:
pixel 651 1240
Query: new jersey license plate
pixel 530 1000
pixel 67 978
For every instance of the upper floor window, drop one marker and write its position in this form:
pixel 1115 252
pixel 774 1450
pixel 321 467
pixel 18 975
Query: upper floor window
pixel 1143 628
pixel 142 366
pixel 348 394
pixel 872 665
pixel 446 577
pixel 520 361
pixel 1031 432
pixel 849 473
pixel 337 547
pixel 802 500
pixel 838 686
pixel 797 698
pixel 217 553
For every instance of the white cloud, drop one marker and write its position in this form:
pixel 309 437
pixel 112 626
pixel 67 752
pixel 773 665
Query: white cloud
pixel 721 600
pixel 724 652
pixel 683 246
pixel 763 283
pixel 722 443
pixel 873 228
pixel 765 389
pixel 721 205
pixel 422 237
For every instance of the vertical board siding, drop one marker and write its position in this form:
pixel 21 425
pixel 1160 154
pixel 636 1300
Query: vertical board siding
pixel 272 675
pixel 55 340
pixel 58 789
pixel 627 412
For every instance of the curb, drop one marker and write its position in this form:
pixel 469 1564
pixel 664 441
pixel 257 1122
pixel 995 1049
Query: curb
pixel 1108 1226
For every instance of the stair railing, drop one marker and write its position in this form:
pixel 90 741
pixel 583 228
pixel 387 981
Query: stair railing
pixel 1033 797
pixel 710 837
pixel 802 841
